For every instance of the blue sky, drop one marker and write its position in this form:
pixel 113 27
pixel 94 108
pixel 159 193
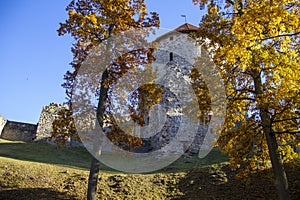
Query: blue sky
pixel 33 58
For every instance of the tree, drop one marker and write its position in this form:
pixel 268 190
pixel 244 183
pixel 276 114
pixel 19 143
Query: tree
pixel 63 127
pixel 90 23
pixel 255 45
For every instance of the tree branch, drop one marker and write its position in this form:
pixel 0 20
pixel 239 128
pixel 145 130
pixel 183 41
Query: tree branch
pixel 230 1
pixel 283 35
pixel 241 98
pixel 282 120
pixel 282 132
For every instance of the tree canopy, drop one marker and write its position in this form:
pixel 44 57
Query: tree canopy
pixel 256 47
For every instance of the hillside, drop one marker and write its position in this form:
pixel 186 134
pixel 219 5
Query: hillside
pixel 41 171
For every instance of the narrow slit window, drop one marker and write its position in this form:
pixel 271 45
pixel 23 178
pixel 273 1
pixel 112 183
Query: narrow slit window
pixel 171 56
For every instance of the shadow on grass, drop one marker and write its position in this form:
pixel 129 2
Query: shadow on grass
pixel 187 163
pixel 33 194
pixel 45 153
pixel 219 182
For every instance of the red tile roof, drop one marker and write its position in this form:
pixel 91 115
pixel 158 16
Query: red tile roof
pixel 186 28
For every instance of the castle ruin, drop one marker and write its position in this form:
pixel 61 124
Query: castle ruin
pixel 41 132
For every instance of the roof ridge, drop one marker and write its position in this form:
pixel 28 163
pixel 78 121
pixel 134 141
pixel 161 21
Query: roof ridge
pixel 186 27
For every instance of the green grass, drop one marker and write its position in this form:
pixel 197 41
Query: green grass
pixel 45 153
pixel 40 171
pixel 79 157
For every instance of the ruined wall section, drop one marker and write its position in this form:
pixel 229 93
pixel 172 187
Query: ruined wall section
pixel 18 131
pixel 48 115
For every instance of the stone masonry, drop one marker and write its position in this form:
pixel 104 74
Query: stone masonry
pixel 48 115
pixel 19 131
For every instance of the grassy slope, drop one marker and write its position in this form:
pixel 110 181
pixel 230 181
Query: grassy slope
pixel 41 171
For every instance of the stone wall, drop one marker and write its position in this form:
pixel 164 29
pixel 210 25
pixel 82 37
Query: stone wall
pixel 48 115
pixel 19 131
pixel 2 124
pixel 174 61
pixel 172 66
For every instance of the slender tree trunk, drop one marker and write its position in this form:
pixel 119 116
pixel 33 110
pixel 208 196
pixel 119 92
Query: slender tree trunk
pixel 93 179
pixel 94 169
pixel 95 164
pixel 281 182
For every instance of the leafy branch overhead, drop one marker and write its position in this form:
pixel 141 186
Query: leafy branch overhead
pixel 91 22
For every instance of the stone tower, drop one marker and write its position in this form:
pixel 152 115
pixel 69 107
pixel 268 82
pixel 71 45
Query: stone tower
pixel 172 69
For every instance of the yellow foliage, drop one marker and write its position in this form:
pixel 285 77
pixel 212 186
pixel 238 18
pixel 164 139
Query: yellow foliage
pixel 258 57
pixel 92 23
pixel 63 127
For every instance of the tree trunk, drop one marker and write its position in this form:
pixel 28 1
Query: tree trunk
pixel 94 169
pixel 281 182
pixel 93 179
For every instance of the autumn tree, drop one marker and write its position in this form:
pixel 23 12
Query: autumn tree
pixel 90 23
pixel 63 127
pixel 255 45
